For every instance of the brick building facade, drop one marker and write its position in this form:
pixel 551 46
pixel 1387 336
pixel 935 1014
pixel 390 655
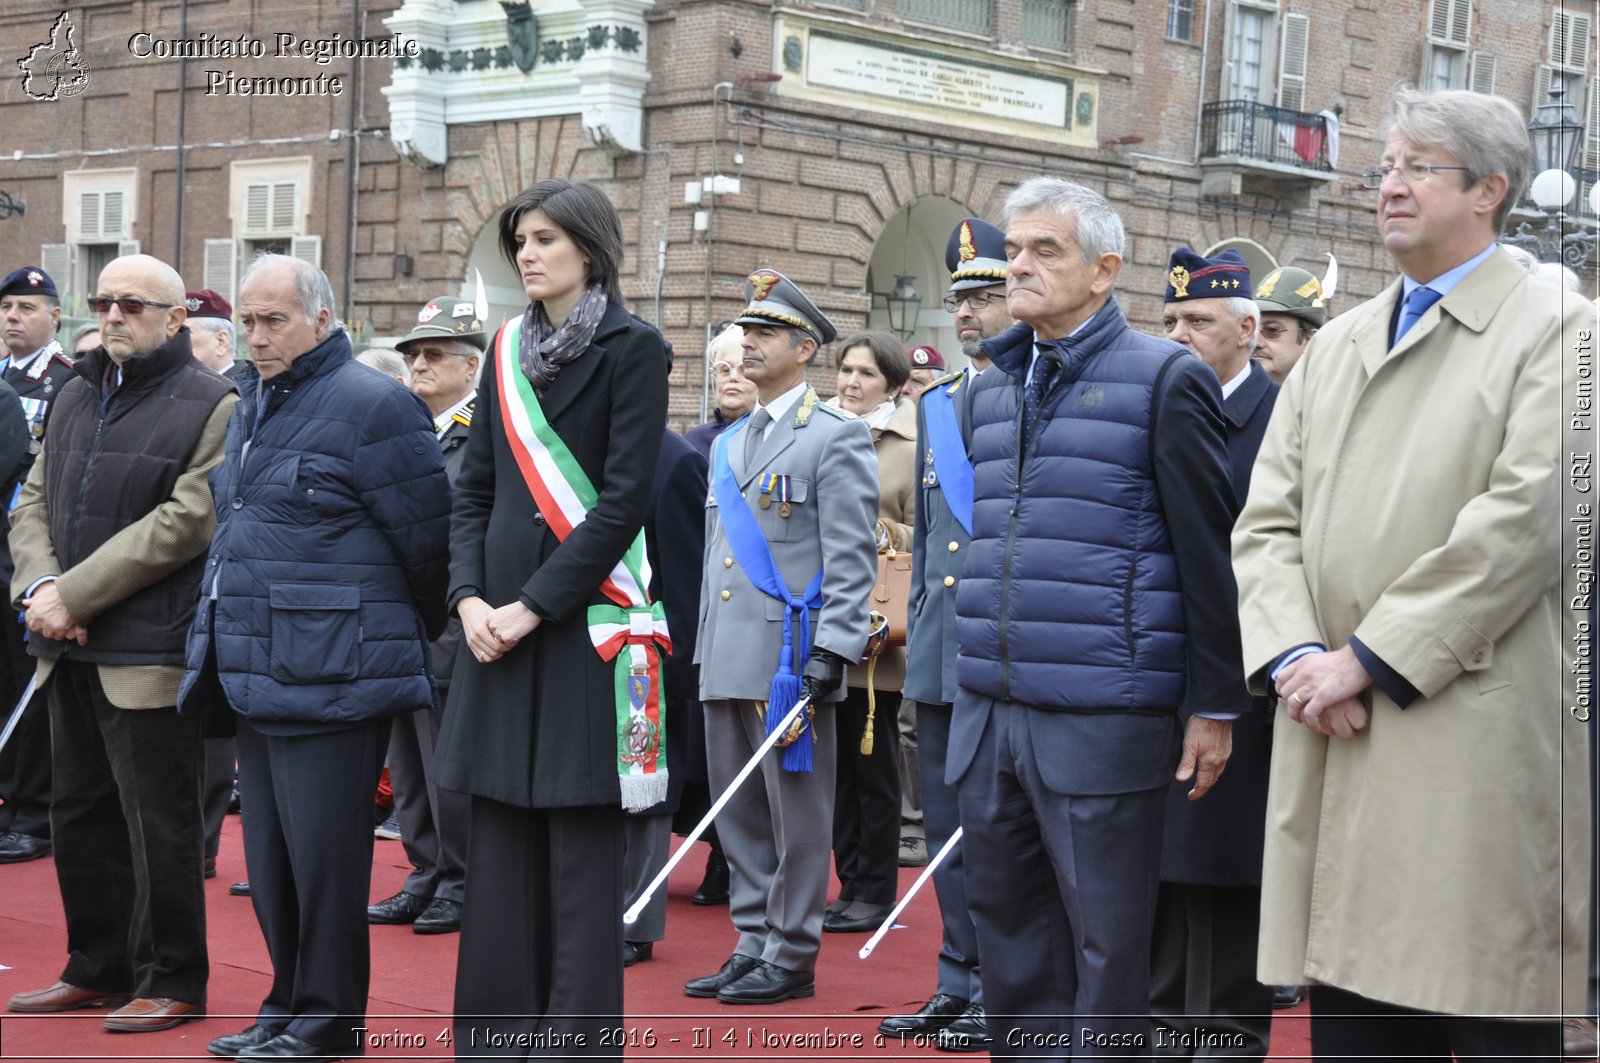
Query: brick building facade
pixel 838 142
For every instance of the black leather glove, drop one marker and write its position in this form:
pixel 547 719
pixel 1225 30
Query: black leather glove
pixel 823 673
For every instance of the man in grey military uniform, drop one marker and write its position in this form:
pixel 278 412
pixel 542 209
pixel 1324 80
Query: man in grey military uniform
pixel 976 258
pixel 789 520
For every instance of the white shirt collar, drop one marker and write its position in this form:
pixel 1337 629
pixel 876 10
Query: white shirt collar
pixel 441 423
pixel 779 407
pixel 1238 380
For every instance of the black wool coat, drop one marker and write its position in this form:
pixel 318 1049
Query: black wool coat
pixel 537 728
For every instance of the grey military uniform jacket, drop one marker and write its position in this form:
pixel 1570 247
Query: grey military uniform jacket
pixel 938 552
pixel 828 522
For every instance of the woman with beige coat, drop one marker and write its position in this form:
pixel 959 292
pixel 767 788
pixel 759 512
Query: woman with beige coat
pixel 866 817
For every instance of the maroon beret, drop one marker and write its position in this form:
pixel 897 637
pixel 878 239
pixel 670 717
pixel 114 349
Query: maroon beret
pixel 207 303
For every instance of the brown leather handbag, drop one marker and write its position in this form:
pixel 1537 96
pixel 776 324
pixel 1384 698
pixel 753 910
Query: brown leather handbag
pixel 892 593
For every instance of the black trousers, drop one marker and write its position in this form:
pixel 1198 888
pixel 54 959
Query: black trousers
pixel 308 849
pixel 1347 1027
pixel 221 764
pixel 126 821
pixel 433 822
pixel 539 973
pixel 1204 997
pixel 866 804
pixel 25 761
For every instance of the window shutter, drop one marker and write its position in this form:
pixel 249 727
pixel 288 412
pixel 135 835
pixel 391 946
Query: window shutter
pixel 1591 131
pixel 284 214
pixel 308 248
pixel 1569 40
pixel 257 210
pixel 1481 79
pixel 221 267
pixel 127 247
pixel 1292 62
pixel 56 260
pixel 1541 85
pixel 1449 22
pixel 1231 17
pixel 113 223
pixel 88 216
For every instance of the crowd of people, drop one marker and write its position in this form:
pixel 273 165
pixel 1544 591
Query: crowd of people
pixel 1231 661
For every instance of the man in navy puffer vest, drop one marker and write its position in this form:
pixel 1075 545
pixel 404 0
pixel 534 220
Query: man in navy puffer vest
pixel 1102 510
pixel 325 583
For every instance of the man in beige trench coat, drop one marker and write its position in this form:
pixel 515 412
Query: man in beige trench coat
pixel 1400 563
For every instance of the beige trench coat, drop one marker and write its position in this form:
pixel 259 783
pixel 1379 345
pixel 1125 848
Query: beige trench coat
pixel 1413 498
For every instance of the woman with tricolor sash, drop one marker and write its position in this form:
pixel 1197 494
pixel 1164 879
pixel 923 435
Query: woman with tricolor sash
pixel 555 723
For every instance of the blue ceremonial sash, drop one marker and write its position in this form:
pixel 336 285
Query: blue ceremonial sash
pixel 750 549
pixel 949 453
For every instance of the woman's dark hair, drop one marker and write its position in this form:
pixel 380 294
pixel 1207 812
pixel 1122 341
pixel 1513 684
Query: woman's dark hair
pixel 585 214
pixel 886 352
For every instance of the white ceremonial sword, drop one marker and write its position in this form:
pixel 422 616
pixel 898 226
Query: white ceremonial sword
pixel 16 713
pixel 927 873
pixel 631 916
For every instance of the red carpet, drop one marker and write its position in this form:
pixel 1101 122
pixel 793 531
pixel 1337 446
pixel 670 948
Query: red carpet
pixel 413 979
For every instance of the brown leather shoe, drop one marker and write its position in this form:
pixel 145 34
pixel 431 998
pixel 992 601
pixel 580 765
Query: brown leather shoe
pixel 64 997
pixel 152 1013
pixel 1578 1039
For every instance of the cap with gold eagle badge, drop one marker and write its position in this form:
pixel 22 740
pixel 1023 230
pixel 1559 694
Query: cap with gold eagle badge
pixel 773 299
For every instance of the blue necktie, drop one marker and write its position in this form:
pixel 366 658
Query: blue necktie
pixel 1416 305
pixel 1044 374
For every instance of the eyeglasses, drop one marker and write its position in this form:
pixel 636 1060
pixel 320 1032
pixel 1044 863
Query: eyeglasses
pixel 434 355
pixel 1273 332
pixel 130 305
pixel 976 300
pixel 1412 174
pixel 724 370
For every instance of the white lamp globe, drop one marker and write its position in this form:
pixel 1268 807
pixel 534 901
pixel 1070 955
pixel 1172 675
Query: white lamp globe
pixel 1594 200
pixel 1553 189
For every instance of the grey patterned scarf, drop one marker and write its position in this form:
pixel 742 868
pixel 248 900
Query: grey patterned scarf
pixel 545 348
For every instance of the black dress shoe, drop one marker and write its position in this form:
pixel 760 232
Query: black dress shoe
pixel 969 1033
pixel 239 889
pixel 767 983
pixel 288 1046
pixel 709 986
pixel 439 917
pixel 1287 996
pixel 211 867
pixel 16 847
pixel 231 1044
pixel 940 1011
pixel 403 907
pixel 636 951
pixel 859 918
pixel 714 887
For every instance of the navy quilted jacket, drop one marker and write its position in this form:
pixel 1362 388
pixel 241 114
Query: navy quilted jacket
pixel 1075 594
pixel 329 563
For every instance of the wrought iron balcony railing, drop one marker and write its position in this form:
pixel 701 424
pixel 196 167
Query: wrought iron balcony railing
pixel 1254 131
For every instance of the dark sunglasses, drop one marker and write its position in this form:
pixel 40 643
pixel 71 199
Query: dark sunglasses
pixel 131 306
pixel 433 355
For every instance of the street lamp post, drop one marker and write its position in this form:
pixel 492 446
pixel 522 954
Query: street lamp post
pixel 1555 132
pixel 9 206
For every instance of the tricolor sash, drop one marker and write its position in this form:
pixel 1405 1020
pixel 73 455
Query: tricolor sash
pixel 629 620
pixel 750 549
pixel 950 462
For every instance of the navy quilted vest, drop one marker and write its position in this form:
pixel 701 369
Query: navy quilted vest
pixel 1070 598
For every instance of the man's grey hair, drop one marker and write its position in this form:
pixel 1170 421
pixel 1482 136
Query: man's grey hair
pixel 1483 133
pixel 389 363
pixel 1099 227
pixel 1241 307
pixel 83 330
pixel 313 290
pixel 213 325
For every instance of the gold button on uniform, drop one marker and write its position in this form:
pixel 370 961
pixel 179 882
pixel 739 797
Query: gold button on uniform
pixel 727 562
pixel 954 546
pixel 949 581
pixel 726 595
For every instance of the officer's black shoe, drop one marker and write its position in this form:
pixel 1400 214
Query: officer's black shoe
pixel 940 1011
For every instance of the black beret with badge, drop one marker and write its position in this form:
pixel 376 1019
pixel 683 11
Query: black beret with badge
pixel 975 256
pixel 29 280
pixel 773 299
pixel 1194 276
pixel 446 317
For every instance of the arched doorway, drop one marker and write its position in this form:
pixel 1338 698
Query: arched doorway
pixel 502 286
pixel 912 245
pixel 1259 259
